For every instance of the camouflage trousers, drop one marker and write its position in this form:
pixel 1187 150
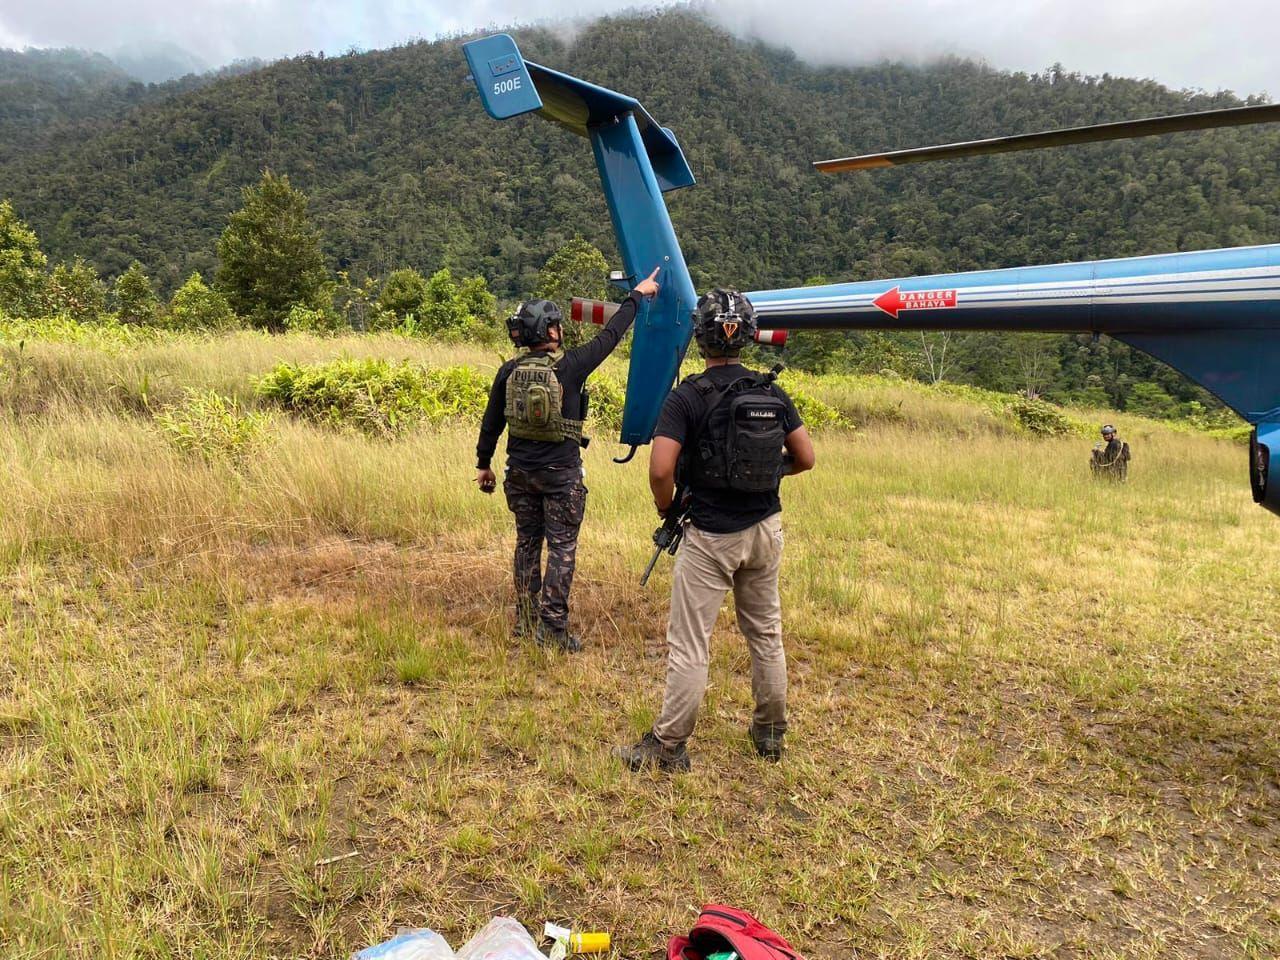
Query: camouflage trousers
pixel 548 504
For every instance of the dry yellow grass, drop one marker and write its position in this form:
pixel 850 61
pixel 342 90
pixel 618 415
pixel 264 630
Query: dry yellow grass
pixel 1033 716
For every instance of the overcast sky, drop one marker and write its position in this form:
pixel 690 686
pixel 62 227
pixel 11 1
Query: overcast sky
pixel 1231 44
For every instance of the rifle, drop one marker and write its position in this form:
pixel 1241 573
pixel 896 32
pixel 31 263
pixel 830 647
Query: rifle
pixel 668 536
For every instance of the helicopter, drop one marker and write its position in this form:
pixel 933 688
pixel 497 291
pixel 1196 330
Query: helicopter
pixel 1213 315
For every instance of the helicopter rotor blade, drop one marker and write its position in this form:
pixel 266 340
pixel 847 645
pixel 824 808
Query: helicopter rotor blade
pixel 1124 129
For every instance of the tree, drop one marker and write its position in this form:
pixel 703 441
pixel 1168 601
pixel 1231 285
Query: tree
pixel 478 302
pixel 577 269
pixel 356 305
pixel 136 300
pixel 22 265
pixel 197 307
pixel 403 292
pixel 453 309
pixel 76 290
pixel 1037 360
pixel 934 346
pixel 1148 400
pixel 270 255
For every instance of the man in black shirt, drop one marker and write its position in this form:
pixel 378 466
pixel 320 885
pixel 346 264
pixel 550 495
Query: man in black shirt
pixel 724 432
pixel 540 398
pixel 1110 458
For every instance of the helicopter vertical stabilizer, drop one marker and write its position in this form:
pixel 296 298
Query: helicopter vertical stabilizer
pixel 638 160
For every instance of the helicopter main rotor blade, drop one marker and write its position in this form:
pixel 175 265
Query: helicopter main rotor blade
pixel 1124 129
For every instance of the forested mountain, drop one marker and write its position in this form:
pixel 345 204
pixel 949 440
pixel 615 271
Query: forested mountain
pixel 42 88
pixel 404 168
pixel 51 97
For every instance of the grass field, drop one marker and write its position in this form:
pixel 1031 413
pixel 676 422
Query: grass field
pixel 1032 716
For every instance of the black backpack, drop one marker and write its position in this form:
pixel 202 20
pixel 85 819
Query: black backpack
pixel 738 445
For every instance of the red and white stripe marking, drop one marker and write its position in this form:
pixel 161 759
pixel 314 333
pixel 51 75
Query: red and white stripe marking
pixel 598 312
pixel 582 310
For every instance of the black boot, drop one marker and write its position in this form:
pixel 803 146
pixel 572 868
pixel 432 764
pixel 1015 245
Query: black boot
pixel 650 752
pixel 556 639
pixel 767 740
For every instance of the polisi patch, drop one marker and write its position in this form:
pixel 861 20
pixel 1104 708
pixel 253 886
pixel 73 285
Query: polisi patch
pixel 762 414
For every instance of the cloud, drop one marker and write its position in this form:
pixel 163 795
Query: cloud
pixel 218 31
pixel 11 40
pixel 1184 43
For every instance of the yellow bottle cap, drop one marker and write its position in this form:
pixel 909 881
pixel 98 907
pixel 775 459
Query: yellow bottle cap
pixel 589 942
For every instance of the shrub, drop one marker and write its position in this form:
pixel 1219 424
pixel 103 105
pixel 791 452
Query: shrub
pixel 135 297
pixel 22 265
pixel 76 290
pixel 373 395
pixel 403 292
pixel 304 319
pixel 456 309
pixel 1040 417
pixel 195 306
pixel 63 329
pixel 816 414
pixel 607 399
pixel 211 426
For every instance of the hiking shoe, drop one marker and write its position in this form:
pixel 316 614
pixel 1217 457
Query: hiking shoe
pixel 650 752
pixel 768 741
pixel 555 639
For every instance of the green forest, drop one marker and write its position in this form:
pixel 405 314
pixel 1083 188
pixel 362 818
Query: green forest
pixel 400 170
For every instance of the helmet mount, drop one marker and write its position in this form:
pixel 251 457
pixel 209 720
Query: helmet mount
pixel 724 321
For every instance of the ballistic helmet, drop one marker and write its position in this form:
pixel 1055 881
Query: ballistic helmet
pixel 1108 430
pixel 528 326
pixel 723 322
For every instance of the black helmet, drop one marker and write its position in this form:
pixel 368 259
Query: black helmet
pixel 723 322
pixel 528 326
pixel 1108 429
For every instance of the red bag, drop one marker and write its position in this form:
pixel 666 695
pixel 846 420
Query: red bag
pixel 722 928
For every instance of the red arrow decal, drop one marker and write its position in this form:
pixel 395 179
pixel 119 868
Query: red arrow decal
pixel 895 300
pixel 889 302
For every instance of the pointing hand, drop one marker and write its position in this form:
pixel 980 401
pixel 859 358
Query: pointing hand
pixel 648 287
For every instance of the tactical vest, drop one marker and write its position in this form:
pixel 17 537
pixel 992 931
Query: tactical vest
pixel 535 400
pixel 738 444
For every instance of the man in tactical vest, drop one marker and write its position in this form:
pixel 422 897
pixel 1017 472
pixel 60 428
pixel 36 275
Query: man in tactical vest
pixel 540 398
pixel 725 439
pixel 1110 458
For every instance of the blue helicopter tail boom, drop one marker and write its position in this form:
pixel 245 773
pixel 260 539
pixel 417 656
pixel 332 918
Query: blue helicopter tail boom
pixel 1213 315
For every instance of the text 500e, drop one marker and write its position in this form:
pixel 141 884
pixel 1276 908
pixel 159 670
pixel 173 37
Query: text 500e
pixel 506 86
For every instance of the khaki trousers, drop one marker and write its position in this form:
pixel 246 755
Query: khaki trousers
pixel 706 568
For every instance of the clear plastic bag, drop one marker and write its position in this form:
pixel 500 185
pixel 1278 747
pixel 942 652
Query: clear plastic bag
pixel 503 939
pixel 409 945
